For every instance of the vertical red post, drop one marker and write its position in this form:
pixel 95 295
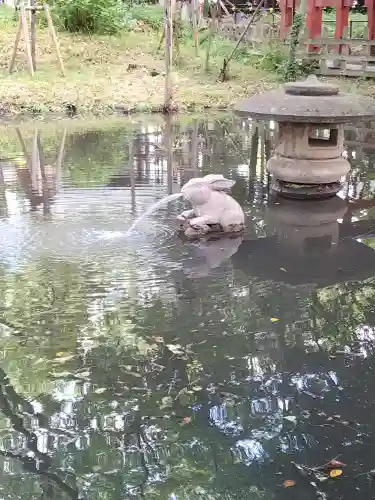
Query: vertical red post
pixel 370 4
pixel 342 18
pixel 286 17
pixel 314 21
pixel 371 19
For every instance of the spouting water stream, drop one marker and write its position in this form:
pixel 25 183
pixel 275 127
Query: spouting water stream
pixel 152 209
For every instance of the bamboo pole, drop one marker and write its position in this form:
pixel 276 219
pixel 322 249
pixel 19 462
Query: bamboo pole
pixel 168 36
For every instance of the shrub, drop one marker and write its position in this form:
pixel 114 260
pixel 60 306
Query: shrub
pixel 104 17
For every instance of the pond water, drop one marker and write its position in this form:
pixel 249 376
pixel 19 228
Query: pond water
pixel 146 367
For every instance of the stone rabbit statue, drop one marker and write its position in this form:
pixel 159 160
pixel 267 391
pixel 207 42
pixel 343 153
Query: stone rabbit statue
pixel 213 209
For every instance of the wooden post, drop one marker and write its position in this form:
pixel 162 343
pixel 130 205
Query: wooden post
pixel 211 30
pixel 54 37
pixel 15 47
pixel 168 27
pixel 33 33
pixel 194 4
pixel 25 33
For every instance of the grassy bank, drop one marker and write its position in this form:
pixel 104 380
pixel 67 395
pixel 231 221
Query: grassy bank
pixel 125 73
pixel 107 74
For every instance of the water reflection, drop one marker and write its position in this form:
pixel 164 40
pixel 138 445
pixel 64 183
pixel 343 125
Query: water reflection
pixel 152 368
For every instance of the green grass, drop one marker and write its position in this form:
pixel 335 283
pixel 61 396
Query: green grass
pixel 106 73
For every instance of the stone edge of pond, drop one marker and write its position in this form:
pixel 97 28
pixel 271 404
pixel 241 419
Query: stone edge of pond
pixel 18 116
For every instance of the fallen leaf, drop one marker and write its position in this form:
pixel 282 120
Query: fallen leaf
pixel 187 420
pixel 335 472
pixel 336 463
pixel 274 320
pixel 282 269
pixel 288 483
pixel 197 388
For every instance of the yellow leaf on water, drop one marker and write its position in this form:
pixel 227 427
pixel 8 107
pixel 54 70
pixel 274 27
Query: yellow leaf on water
pixel 335 472
pixel 274 320
pixel 288 483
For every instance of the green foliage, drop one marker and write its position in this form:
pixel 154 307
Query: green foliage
pixel 152 16
pixel 291 70
pixel 358 22
pixel 104 17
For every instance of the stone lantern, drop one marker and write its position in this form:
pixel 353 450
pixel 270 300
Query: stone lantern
pixel 308 160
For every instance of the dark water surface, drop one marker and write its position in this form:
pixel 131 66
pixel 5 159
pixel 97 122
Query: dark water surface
pixel 145 367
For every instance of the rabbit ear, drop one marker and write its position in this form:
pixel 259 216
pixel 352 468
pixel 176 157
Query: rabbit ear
pixel 222 184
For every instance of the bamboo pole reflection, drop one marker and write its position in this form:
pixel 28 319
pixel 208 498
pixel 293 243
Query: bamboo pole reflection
pixel 40 181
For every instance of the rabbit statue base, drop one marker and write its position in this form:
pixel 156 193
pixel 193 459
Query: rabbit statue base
pixel 214 231
pixel 214 211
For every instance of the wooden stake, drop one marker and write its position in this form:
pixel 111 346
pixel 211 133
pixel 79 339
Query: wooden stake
pixel 54 38
pixel 168 27
pixel 33 33
pixel 195 26
pixel 15 47
pixel 26 38
pixel 212 28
